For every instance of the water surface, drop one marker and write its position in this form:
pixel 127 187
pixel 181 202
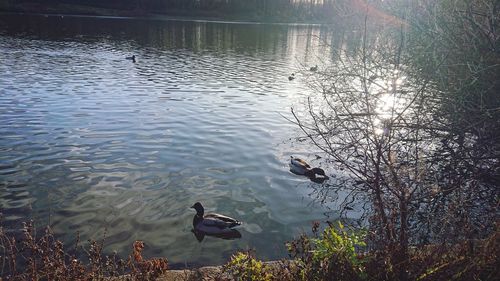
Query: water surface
pixel 96 144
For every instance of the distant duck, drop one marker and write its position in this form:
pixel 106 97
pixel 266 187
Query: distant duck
pixel 291 77
pixel 132 58
pixel 212 224
pixel 313 68
pixel 300 167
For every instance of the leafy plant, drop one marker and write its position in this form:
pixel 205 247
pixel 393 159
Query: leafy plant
pixel 244 266
pixel 335 254
pixel 342 243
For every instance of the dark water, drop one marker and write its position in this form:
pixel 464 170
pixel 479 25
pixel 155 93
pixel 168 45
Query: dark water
pixel 93 143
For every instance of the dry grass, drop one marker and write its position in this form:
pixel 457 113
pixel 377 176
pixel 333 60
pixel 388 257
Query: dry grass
pixel 24 256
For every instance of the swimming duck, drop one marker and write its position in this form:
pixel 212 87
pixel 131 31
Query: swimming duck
pixel 132 58
pixel 300 167
pixel 212 223
pixel 291 77
pixel 313 68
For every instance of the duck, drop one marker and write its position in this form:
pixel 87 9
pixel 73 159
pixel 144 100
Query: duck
pixel 314 68
pixel 301 167
pixel 132 58
pixel 291 77
pixel 212 224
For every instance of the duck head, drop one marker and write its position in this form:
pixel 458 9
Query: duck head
pixel 321 176
pixel 319 171
pixel 199 209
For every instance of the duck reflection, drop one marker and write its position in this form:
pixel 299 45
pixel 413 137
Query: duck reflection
pixel 228 235
pixel 319 180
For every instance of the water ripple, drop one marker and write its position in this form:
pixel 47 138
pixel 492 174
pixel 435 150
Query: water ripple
pixel 97 142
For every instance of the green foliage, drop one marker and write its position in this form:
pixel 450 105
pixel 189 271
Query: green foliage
pixel 341 242
pixel 333 255
pixel 243 266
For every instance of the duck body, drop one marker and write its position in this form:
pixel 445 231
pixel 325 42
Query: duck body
pixel 301 167
pixel 212 223
pixel 132 58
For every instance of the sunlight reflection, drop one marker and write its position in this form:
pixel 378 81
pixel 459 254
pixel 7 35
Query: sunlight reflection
pixel 389 102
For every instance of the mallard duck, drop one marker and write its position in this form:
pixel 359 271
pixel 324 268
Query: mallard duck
pixel 291 77
pixel 132 58
pixel 212 223
pixel 313 68
pixel 300 167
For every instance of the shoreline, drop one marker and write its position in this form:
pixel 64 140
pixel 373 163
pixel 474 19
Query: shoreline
pixel 154 17
pixel 177 15
pixel 213 272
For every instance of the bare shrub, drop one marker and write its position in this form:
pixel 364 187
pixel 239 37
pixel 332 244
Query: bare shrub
pixel 409 121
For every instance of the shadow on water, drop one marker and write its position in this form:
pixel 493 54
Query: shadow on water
pixel 191 35
pixel 248 38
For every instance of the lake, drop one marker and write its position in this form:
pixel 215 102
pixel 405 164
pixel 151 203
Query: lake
pixel 95 144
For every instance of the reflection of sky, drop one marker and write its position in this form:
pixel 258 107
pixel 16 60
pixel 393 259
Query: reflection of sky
pixel 95 141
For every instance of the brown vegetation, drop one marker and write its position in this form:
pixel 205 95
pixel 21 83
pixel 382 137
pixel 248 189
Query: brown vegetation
pixel 412 123
pixel 328 256
pixel 411 117
pixel 45 258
